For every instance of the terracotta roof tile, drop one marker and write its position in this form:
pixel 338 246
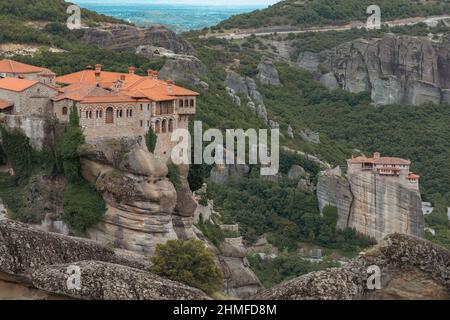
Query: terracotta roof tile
pixel 5 104
pixel 11 66
pixel 17 85
pixel 133 85
pixel 381 160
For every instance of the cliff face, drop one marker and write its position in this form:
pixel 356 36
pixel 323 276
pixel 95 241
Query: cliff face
pixel 373 205
pixel 411 268
pixel 139 197
pixel 395 69
pixel 129 38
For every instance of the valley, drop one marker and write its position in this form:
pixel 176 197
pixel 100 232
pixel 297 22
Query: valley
pixel 339 94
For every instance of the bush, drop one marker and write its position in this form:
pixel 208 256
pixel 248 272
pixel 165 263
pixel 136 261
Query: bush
pixel 189 262
pixel 151 139
pixel 83 207
pixel 18 151
pixel 174 176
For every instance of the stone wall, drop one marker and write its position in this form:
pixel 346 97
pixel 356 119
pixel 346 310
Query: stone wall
pixel 32 101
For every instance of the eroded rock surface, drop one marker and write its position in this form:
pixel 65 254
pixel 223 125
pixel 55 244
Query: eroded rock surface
pixel 139 197
pixel 395 69
pixel 130 38
pixel 410 267
pixel 268 73
pixel 188 69
pixel 373 205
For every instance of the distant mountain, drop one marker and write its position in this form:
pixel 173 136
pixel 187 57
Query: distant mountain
pixel 322 12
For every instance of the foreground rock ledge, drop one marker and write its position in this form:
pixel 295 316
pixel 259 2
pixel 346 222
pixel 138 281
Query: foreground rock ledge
pixel 411 268
pixel 40 260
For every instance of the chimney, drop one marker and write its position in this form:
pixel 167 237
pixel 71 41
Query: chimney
pixel 170 85
pixel 122 77
pixel 152 74
pixel 98 72
pixel 376 155
pixel 131 70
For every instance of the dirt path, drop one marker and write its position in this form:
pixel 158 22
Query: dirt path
pixel 287 30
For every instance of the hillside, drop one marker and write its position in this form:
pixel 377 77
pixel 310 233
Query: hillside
pixel 329 126
pixel 331 12
pixel 49 10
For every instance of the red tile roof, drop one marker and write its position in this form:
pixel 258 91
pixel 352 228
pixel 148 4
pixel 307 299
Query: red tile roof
pixel 133 85
pixel 11 66
pixel 5 104
pixel 381 160
pixel 413 176
pixel 17 85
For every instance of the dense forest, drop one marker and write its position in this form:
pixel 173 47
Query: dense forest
pixel 331 12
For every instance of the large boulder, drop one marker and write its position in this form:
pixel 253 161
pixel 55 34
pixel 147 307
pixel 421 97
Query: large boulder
pixel 268 73
pixel 139 197
pixel 411 268
pixel 105 281
pixel 187 69
pixel 129 38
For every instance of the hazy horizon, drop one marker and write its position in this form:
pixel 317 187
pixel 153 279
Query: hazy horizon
pixel 260 3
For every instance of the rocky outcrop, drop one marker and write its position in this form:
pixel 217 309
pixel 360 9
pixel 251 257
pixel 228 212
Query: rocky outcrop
pixel 23 248
pixel 334 189
pixel 267 73
pixel 139 197
pixel 240 281
pixel 411 268
pixel 35 128
pixel 129 38
pixel 310 136
pixel 309 61
pixel 105 281
pixel 41 262
pixel 374 205
pixel 395 69
pixel 188 69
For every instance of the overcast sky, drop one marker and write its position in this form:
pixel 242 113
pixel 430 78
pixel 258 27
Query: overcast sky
pixel 203 2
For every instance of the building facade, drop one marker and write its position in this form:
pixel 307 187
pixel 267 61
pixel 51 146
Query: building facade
pixel 388 167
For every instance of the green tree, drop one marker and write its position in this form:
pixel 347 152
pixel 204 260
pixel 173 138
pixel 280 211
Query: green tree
pixel 189 262
pixel 151 139
pixel 330 216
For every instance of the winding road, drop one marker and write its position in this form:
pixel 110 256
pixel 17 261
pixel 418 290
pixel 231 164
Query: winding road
pixel 430 21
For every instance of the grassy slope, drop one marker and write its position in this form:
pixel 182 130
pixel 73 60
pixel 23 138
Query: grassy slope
pixel 322 12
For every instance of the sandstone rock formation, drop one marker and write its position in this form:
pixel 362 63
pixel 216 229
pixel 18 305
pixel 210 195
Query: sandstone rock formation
pixel 188 69
pixel 395 69
pixel 373 205
pixel 268 73
pixel 40 261
pixel 129 38
pixel 106 281
pixel 411 268
pixel 140 199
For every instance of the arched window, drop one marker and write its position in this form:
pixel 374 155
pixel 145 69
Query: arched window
pixel 192 103
pixel 109 115
pixel 171 125
pixel 101 113
pixel 64 111
pixel 158 126
pixel 164 126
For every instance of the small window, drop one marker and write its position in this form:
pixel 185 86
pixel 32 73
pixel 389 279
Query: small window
pixel 181 103
pixel 142 123
pixel 148 123
pixel 131 113
pixel 192 103
pixel 186 103
pixel 142 107
pixel 64 111
pixel 148 107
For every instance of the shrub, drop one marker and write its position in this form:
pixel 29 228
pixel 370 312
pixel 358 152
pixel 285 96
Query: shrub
pixel 18 151
pixel 174 176
pixel 189 262
pixel 83 207
pixel 151 139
